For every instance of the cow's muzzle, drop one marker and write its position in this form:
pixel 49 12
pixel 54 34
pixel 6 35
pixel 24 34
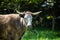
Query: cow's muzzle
pixel 29 27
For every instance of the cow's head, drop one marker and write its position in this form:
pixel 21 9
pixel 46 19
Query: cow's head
pixel 27 15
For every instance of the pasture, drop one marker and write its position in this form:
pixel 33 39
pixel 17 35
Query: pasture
pixel 41 34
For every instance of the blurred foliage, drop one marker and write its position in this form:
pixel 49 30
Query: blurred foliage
pixel 49 17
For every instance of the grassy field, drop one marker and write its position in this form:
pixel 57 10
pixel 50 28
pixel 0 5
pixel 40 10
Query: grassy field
pixel 41 35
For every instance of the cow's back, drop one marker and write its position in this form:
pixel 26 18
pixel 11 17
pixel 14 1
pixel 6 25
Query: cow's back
pixel 7 18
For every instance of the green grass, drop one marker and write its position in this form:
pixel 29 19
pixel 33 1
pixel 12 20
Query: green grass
pixel 40 35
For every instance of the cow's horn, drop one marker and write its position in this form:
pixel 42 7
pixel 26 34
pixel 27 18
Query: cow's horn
pixel 19 12
pixel 36 13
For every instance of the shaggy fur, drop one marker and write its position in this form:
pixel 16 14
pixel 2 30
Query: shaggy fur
pixel 12 27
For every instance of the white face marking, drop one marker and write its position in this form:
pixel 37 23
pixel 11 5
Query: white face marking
pixel 28 19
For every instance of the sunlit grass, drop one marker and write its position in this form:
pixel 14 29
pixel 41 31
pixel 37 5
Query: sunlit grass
pixel 40 35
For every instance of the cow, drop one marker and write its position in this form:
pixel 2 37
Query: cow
pixel 13 26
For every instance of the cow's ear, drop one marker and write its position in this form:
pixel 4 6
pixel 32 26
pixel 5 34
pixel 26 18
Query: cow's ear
pixel 21 15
